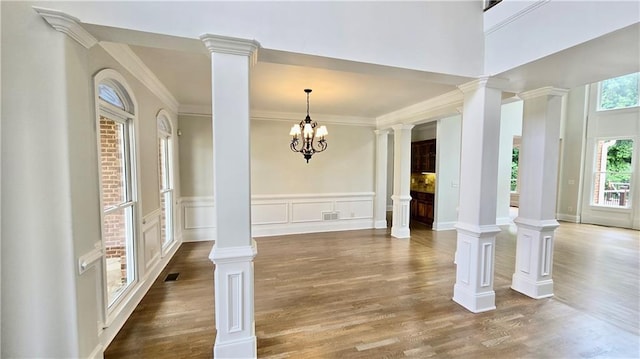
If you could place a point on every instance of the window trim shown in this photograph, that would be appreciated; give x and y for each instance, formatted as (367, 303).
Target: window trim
(129, 117)
(164, 117)
(598, 107)
(596, 170)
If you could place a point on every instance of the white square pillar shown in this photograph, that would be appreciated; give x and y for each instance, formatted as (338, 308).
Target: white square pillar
(401, 180)
(234, 250)
(476, 225)
(380, 208)
(538, 173)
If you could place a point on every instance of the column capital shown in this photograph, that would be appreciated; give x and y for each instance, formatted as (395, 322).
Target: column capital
(231, 45)
(67, 24)
(482, 82)
(543, 91)
(381, 132)
(402, 126)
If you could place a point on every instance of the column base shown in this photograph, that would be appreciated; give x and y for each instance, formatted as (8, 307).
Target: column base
(534, 257)
(400, 233)
(474, 302)
(474, 258)
(380, 224)
(400, 221)
(243, 348)
(234, 301)
(535, 290)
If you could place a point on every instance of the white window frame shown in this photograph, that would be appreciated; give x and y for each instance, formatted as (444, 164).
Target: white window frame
(599, 96)
(109, 311)
(598, 170)
(165, 133)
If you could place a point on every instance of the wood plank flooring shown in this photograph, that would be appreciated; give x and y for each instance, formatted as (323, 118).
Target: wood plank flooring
(363, 294)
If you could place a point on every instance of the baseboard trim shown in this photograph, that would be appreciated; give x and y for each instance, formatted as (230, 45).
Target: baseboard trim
(199, 235)
(268, 230)
(444, 226)
(97, 352)
(504, 221)
(568, 218)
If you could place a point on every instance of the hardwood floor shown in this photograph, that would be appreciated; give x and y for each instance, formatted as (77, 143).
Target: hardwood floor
(363, 294)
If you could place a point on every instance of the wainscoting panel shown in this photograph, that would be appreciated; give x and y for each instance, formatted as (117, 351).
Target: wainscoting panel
(269, 213)
(354, 209)
(151, 239)
(282, 214)
(198, 219)
(308, 213)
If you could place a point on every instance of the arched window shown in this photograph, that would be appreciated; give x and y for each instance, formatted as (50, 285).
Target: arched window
(115, 109)
(165, 172)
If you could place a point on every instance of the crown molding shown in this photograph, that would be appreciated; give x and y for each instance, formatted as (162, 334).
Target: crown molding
(67, 24)
(482, 82)
(516, 16)
(130, 61)
(231, 45)
(543, 91)
(324, 119)
(442, 105)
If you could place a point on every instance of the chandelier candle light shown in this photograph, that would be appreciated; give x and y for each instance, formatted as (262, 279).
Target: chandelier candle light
(312, 139)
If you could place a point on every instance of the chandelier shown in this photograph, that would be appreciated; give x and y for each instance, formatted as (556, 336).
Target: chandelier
(308, 138)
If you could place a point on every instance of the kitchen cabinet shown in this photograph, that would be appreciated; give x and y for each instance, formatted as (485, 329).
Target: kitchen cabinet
(422, 207)
(423, 156)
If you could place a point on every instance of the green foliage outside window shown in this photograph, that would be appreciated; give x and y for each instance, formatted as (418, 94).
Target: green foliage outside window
(619, 92)
(619, 162)
(515, 154)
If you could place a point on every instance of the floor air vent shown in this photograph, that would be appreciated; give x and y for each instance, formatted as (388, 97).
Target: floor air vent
(171, 277)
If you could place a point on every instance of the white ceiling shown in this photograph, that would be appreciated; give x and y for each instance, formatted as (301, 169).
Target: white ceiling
(354, 90)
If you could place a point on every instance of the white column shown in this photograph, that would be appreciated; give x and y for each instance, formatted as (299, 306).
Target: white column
(380, 208)
(476, 225)
(233, 252)
(401, 180)
(538, 173)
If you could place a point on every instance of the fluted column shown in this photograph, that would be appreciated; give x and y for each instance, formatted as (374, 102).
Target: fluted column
(401, 180)
(538, 173)
(234, 250)
(476, 225)
(380, 208)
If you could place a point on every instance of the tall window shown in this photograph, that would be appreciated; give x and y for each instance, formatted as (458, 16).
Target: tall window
(515, 156)
(118, 195)
(619, 92)
(165, 150)
(613, 169)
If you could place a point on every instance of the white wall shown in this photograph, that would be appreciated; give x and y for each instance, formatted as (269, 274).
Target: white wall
(196, 155)
(401, 34)
(572, 155)
(518, 32)
(510, 126)
(288, 194)
(346, 166)
(50, 191)
(38, 294)
(449, 131)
